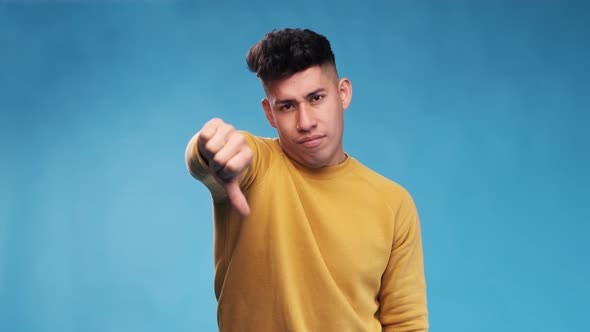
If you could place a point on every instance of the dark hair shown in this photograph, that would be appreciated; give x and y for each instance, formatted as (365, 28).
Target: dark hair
(282, 53)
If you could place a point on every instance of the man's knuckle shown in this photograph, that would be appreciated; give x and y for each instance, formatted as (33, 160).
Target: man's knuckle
(210, 147)
(218, 159)
(232, 132)
(233, 166)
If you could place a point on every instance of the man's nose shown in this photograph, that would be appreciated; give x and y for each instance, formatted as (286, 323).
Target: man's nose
(305, 118)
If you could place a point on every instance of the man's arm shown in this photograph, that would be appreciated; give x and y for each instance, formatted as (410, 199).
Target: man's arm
(402, 296)
(216, 156)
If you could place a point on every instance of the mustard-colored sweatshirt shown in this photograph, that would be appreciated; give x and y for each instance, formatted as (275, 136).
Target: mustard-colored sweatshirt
(332, 249)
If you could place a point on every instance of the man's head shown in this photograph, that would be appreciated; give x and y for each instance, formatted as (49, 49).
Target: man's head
(305, 98)
(282, 53)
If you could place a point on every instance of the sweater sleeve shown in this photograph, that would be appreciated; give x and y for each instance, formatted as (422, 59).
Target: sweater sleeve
(199, 169)
(402, 296)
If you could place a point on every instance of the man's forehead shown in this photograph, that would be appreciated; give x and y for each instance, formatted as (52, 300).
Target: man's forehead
(301, 83)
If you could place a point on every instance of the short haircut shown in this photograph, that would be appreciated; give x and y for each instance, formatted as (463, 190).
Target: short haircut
(282, 53)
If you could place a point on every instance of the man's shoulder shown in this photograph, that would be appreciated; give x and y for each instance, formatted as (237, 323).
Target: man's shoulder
(257, 142)
(380, 182)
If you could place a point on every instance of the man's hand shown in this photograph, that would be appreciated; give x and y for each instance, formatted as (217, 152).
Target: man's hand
(227, 153)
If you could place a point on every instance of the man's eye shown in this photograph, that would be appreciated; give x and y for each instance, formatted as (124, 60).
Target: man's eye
(317, 97)
(286, 107)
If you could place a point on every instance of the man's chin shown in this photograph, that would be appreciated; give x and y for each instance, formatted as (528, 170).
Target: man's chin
(314, 162)
(308, 158)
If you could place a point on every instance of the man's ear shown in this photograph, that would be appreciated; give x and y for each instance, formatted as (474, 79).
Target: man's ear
(345, 92)
(268, 113)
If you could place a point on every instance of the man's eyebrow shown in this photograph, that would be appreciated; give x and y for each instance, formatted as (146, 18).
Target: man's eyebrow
(315, 92)
(284, 101)
(291, 101)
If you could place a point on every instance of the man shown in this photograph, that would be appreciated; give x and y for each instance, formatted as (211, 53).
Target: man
(306, 237)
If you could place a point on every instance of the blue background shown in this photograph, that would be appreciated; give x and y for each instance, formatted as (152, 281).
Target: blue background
(479, 108)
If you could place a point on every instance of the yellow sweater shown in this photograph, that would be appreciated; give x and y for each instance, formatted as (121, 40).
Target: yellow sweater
(333, 249)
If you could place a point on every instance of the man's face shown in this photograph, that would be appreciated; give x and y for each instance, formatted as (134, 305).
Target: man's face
(307, 111)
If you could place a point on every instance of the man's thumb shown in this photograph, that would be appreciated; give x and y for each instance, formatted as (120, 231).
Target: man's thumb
(237, 198)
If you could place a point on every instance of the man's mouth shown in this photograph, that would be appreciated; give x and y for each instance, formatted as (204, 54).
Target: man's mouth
(311, 141)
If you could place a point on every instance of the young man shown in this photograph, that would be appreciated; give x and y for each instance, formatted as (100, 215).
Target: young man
(306, 237)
